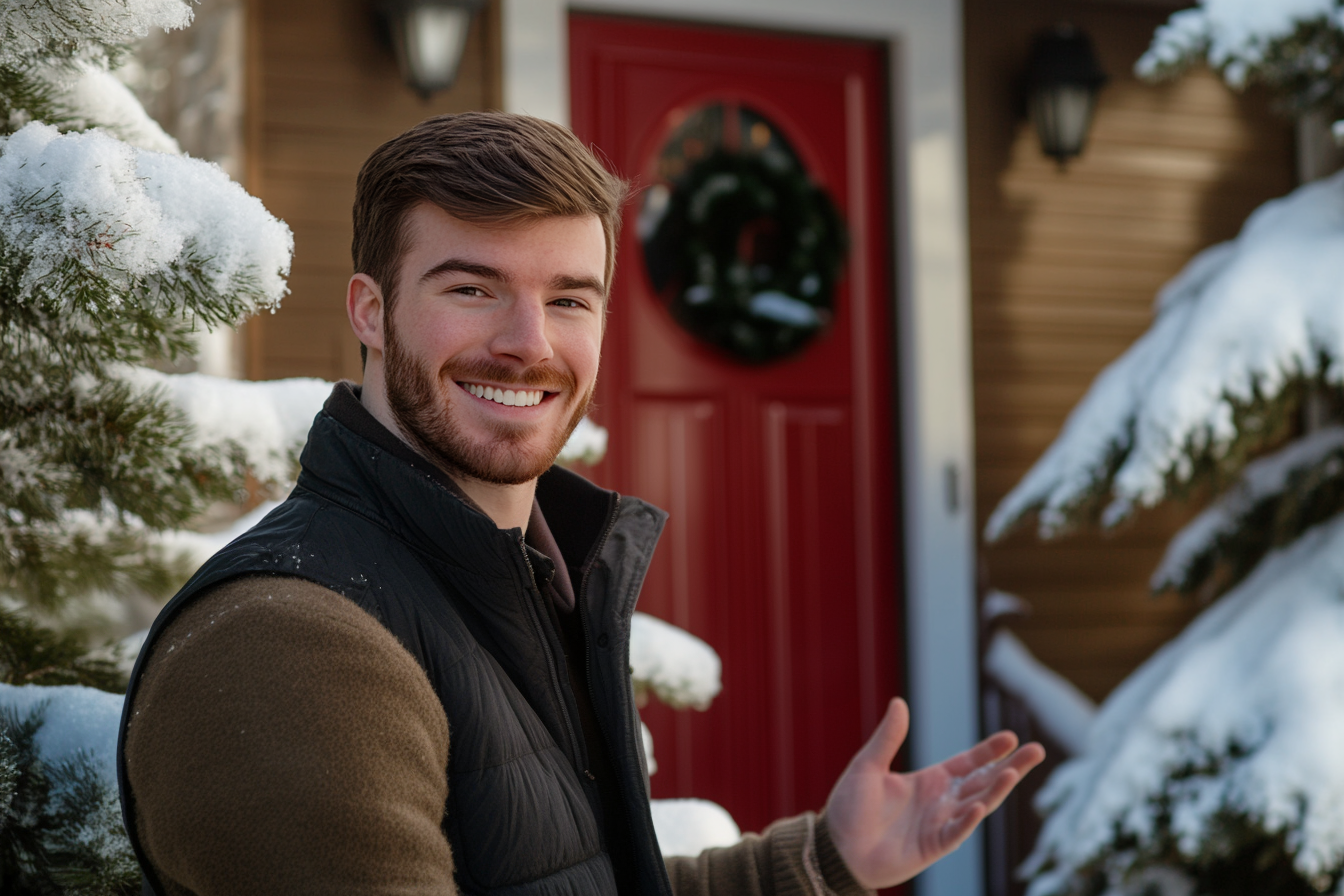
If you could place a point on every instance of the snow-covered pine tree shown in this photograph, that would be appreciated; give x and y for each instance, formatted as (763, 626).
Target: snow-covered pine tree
(114, 251)
(1215, 768)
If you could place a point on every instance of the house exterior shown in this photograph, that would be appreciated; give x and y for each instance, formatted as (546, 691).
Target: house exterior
(996, 286)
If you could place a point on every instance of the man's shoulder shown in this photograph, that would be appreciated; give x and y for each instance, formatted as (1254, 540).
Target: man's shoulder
(243, 614)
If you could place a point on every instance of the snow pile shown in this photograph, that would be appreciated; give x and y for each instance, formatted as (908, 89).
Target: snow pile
(1240, 717)
(1233, 33)
(687, 827)
(1063, 712)
(1261, 480)
(31, 28)
(268, 419)
(142, 220)
(676, 665)
(1242, 320)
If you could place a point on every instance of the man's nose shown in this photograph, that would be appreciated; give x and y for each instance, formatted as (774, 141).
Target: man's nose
(522, 333)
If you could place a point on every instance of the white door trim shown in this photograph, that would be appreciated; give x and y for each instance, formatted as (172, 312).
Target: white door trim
(933, 314)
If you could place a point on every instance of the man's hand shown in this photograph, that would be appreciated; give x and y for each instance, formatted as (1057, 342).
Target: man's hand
(888, 827)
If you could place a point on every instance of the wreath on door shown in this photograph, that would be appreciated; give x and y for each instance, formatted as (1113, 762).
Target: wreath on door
(745, 252)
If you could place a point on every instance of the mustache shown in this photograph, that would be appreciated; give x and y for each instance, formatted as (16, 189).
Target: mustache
(542, 376)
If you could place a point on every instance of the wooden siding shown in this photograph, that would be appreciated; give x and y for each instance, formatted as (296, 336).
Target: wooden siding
(323, 93)
(1064, 268)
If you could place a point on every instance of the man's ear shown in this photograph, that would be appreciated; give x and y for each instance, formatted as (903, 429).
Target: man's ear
(364, 305)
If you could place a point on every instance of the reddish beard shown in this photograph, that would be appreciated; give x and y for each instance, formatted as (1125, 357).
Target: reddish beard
(419, 402)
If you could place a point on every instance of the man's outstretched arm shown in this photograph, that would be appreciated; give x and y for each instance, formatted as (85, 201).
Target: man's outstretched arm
(889, 826)
(880, 827)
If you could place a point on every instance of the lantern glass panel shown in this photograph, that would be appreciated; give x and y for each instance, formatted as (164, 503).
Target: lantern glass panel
(430, 41)
(1062, 114)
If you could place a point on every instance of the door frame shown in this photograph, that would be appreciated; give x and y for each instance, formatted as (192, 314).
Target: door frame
(932, 313)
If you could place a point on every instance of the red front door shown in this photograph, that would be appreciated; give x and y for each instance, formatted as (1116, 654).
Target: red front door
(777, 467)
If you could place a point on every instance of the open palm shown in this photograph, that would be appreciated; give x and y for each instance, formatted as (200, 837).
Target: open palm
(890, 826)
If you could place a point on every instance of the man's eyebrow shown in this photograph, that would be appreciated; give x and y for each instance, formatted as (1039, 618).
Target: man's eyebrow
(464, 266)
(571, 283)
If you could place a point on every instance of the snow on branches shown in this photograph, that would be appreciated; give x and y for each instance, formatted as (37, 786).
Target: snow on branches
(91, 222)
(1238, 335)
(268, 421)
(1224, 744)
(31, 29)
(1296, 47)
(1276, 499)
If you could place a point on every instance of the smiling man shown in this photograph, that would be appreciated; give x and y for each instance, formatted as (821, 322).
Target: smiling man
(413, 676)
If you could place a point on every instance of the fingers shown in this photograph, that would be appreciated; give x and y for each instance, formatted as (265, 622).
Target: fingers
(991, 749)
(991, 785)
(881, 748)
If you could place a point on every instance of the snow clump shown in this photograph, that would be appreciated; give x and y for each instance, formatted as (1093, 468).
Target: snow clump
(98, 98)
(587, 443)
(138, 218)
(676, 665)
(688, 826)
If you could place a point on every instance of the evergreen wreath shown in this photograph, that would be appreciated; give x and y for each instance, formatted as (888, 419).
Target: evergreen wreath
(747, 254)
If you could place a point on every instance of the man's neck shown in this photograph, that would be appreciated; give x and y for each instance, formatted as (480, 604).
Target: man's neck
(509, 506)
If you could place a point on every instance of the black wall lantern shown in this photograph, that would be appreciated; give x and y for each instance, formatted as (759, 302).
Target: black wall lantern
(1063, 79)
(428, 37)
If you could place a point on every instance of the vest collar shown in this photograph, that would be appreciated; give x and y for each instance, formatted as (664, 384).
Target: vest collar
(353, 459)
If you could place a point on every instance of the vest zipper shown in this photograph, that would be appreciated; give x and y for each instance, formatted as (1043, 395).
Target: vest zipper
(550, 660)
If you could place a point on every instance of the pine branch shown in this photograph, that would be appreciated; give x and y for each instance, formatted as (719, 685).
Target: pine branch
(26, 96)
(1304, 69)
(62, 830)
(33, 654)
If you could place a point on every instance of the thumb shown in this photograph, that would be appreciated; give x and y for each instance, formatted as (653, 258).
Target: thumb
(887, 739)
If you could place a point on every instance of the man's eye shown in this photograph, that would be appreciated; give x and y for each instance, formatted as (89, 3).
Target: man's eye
(469, 290)
(567, 303)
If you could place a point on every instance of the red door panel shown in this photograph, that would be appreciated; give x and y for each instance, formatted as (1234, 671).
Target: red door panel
(779, 477)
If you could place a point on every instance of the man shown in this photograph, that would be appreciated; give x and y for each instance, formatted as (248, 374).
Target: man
(412, 677)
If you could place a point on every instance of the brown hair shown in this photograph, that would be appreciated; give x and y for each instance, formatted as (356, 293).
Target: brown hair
(484, 168)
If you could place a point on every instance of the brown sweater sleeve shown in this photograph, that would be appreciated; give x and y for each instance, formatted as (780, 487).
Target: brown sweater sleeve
(794, 857)
(283, 741)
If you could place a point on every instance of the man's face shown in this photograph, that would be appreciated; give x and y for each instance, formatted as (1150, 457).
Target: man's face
(492, 345)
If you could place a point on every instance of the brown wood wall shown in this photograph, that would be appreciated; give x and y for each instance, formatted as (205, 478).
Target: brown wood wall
(1064, 268)
(324, 92)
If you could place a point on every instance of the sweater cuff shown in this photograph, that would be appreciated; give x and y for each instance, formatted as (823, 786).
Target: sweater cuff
(839, 879)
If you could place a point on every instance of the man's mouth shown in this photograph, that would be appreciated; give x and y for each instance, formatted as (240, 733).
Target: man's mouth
(513, 398)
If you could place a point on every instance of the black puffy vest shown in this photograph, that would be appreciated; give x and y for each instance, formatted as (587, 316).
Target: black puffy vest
(460, 595)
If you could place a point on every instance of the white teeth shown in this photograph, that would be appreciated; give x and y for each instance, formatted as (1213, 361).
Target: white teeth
(522, 398)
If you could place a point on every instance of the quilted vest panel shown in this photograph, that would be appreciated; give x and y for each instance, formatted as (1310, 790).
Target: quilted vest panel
(458, 593)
